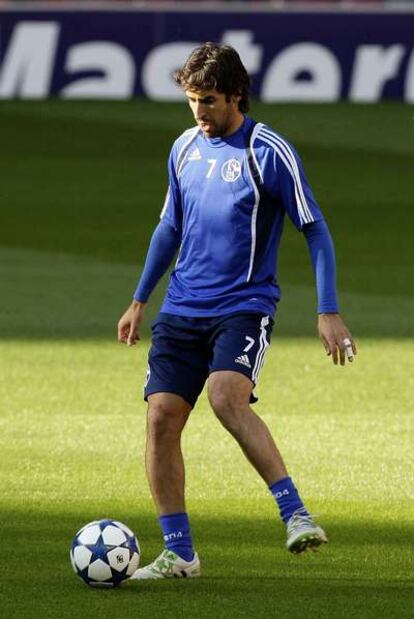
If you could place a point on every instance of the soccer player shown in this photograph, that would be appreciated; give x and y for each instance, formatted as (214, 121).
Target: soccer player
(231, 182)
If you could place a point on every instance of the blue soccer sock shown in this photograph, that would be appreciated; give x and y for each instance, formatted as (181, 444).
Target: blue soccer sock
(177, 535)
(287, 498)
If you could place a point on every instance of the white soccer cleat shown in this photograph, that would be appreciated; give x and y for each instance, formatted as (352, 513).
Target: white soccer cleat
(303, 534)
(169, 565)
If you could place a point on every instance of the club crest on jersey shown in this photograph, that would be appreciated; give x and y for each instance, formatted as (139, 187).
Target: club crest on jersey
(230, 170)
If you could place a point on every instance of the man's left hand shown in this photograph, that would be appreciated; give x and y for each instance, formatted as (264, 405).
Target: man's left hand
(336, 338)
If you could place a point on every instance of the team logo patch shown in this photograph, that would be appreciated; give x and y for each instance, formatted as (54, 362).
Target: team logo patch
(243, 360)
(230, 170)
(195, 155)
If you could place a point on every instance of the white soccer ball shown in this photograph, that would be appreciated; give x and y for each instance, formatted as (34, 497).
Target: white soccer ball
(105, 552)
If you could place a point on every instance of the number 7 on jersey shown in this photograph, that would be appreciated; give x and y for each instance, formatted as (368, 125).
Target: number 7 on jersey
(212, 163)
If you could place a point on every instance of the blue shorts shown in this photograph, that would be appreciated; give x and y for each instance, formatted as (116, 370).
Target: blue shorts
(186, 350)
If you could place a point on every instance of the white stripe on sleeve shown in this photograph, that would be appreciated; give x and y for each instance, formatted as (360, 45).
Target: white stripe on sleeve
(181, 155)
(287, 157)
(253, 223)
(165, 205)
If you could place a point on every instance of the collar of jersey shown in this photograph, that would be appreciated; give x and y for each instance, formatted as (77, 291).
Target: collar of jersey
(231, 139)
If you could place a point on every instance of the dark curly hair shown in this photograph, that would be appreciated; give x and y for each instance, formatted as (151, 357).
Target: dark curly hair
(216, 67)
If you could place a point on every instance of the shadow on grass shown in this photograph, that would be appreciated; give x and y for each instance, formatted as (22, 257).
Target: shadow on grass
(363, 572)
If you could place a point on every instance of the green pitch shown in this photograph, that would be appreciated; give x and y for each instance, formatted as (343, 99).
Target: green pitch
(81, 189)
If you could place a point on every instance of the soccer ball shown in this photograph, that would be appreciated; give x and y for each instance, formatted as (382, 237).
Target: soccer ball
(104, 552)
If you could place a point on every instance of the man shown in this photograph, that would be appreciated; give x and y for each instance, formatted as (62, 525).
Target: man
(231, 181)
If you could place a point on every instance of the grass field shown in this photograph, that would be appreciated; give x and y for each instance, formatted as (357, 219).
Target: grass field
(81, 188)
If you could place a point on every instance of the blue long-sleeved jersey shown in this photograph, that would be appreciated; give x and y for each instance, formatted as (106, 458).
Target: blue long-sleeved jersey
(225, 208)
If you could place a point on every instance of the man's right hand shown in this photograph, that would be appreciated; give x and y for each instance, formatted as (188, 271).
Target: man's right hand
(128, 326)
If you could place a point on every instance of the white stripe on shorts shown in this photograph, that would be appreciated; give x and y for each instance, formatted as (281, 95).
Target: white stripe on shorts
(264, 344)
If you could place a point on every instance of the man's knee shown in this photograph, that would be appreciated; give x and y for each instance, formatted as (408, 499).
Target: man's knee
(220, 400)
(167, 415)
(229, 401)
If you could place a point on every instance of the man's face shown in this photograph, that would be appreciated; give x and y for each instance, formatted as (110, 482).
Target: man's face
(214, 115)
